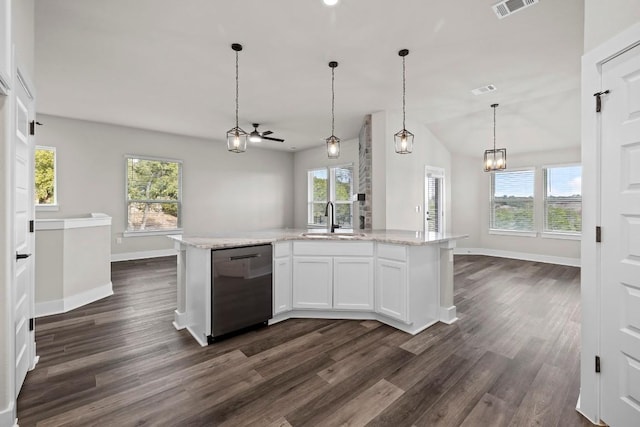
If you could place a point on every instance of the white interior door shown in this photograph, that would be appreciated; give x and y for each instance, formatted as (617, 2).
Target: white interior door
(620, 247)
(23, 292)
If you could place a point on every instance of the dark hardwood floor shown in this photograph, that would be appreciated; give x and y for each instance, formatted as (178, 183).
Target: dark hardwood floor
(511, 359)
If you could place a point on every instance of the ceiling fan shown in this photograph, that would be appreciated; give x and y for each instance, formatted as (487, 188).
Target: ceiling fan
(256, 136)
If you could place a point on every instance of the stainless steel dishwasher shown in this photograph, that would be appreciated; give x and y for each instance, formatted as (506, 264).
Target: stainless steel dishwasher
(241, 294)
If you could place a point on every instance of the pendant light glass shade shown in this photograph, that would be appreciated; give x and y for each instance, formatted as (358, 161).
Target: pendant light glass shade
(495, 159)
(333, 142)
(403, 139)
(236, 137)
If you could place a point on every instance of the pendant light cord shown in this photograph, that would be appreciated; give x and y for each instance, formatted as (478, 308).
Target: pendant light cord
(333, 102)
(236, 89)
(404, 78)
(494, 132)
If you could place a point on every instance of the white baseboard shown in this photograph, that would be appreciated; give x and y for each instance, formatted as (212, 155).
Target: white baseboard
(549, 259)
(129, 256)
(179, 320)
(448, 315)
(48, 308)
(8, 416)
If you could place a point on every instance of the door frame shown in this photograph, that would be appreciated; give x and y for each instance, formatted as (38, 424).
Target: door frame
(589, 402)
(439, 173)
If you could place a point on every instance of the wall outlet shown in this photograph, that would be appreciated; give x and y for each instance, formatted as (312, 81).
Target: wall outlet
(119, 240)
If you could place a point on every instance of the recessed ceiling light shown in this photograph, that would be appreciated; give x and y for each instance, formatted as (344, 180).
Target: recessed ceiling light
(330, 2)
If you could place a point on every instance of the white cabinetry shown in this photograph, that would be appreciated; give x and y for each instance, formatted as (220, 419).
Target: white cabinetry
(333, 275)
(281, 277)
(312, 279)
(392, 282)
(353, 283)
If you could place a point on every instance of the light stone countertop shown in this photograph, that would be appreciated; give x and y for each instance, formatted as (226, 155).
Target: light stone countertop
(237, 239)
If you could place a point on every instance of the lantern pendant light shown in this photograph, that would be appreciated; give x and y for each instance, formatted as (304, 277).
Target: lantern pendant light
(333, 142)
(236, 137)
(404, 138)
(495, 159)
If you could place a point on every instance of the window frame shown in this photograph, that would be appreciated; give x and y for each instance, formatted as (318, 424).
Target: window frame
(506, 232)
(138, 233)
(48, 207)
(331, 192)
(554, 234)
(437, 173)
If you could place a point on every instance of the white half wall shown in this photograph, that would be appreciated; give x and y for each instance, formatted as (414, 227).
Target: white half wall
(221, 191)
(472, 211)
(317, 158)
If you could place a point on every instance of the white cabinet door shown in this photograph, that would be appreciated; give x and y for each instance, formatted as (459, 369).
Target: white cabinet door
(391, 289)
(281, 285)
(353, 283)
(312, 282)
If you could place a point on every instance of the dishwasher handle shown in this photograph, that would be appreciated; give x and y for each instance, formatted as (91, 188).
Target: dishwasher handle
(235, 258)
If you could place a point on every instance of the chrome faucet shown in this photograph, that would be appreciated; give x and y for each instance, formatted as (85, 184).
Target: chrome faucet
(331, 227)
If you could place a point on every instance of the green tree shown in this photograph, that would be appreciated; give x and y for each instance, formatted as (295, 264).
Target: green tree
(44, 176)
(152, 180)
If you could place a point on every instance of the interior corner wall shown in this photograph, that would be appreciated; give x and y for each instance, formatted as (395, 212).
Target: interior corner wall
(604, 19)
(404, 174)
(316, 157)
(547, 247)
(221, 191)
(465, 203)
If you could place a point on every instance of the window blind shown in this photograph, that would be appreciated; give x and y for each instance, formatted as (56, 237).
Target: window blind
(512, 195)
(563, 199)
(434, 199)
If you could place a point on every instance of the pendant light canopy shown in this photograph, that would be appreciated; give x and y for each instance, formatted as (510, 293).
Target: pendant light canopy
(403, 139)
(236, 137)
(495, 159)
(333, 142)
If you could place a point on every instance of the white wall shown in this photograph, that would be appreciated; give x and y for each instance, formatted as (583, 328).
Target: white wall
(604, 19)
(221, 191)
(316, 158)
(478, 206)
(465, 200)
(399, 179)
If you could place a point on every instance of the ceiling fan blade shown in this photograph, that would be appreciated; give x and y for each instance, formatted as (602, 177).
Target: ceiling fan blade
(272, 139)
(266, 132)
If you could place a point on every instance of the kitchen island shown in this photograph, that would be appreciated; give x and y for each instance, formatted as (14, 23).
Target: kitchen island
(401, 278)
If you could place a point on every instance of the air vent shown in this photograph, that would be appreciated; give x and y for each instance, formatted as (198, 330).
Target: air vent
(507, 7)
(484, 89)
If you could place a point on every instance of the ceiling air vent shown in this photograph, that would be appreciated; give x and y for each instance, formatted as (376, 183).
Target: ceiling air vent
(508, 7)
(484, 89)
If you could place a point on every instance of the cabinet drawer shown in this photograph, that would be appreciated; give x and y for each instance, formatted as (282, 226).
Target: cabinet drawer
(333, 248)
(281, 249)
(395, 252)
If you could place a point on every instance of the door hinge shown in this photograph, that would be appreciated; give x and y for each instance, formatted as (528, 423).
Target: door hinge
(32, 127)
(32, 324)
(598, 364)
(31, 226)
(598, 96)
(598, 234)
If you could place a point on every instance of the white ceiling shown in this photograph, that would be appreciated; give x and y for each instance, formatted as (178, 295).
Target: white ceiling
(167, 65)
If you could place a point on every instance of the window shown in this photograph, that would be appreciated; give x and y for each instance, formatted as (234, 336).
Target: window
(434, 194)
(512, 200)
(45, 178)
(563, 199)
(153, 194)
(334, 185)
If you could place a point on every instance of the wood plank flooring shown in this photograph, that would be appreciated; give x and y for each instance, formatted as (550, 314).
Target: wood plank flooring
(511, 360)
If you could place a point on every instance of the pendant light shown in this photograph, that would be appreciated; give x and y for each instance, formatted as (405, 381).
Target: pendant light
(333, 142)
(236, 137)
(495, 159)
(404, 138)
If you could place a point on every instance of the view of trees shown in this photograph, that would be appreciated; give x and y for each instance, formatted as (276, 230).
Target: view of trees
(343, 205)
(44, 176)
(513, 213)
(153, 194)
(564, 214)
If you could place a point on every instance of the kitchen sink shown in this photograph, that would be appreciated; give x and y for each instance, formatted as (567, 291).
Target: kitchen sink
(342, 236)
